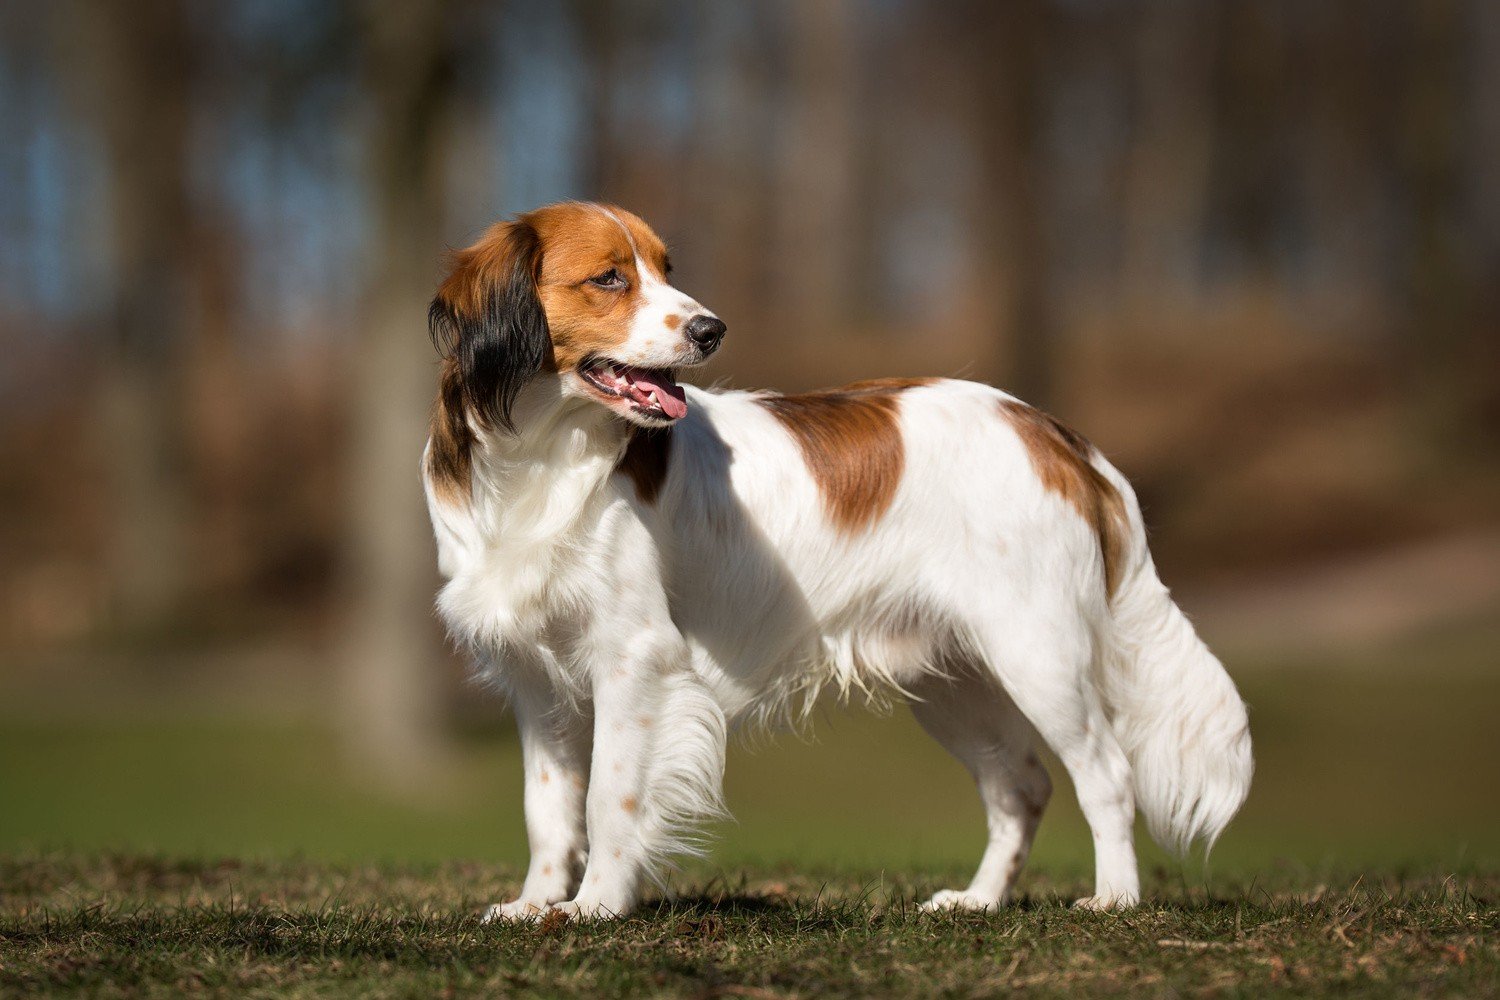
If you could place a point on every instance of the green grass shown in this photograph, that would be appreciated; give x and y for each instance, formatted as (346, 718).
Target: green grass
(1359, 768)
(136, 926)
(240, 857)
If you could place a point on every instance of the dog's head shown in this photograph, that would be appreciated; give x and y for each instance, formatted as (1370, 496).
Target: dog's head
(579, 291)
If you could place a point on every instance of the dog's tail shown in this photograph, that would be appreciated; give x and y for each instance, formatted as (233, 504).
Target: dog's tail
(1173, 707)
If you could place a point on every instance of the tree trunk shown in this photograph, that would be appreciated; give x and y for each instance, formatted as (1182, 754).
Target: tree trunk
(135, 88)
(1007, 48)
(1166, 196)
(817, 199)
(394, 678)
(1438, 288)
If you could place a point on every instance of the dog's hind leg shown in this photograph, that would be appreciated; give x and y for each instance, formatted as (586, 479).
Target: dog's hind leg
(1043, 655)
(979, 724)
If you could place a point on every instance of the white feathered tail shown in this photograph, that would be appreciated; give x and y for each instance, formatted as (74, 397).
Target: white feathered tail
(1173, 707)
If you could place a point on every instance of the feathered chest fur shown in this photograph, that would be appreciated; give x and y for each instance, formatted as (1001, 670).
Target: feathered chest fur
(528, 552)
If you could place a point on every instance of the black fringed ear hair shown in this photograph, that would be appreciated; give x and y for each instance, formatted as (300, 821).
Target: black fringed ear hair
(487, 317)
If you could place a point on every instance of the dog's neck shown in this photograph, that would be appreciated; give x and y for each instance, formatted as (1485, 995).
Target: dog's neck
(533, 484)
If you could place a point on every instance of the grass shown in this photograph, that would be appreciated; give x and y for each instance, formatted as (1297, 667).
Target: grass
(129, 925)
(1361, 767)
(157, 857)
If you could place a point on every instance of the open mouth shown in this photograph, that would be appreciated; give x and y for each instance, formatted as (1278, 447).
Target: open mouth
(650, 392)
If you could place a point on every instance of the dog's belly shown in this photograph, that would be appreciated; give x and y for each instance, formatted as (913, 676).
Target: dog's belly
(770, 668)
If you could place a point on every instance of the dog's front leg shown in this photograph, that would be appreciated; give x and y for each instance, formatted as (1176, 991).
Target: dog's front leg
(658, 768)
(555, 739)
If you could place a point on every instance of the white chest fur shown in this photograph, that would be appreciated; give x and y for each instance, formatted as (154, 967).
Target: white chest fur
(526, 556)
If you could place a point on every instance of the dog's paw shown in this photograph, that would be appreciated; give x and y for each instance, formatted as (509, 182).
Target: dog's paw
(584, 909)
(959, 899)
(1102, 904)
(516, 909)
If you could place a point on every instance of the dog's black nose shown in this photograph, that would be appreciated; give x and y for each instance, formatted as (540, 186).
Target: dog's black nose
(706, 332)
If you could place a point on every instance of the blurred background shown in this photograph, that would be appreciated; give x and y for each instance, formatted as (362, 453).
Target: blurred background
(1250, 248)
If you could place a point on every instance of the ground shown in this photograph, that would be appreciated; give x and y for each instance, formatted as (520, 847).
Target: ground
(161, 853)
(138, 926)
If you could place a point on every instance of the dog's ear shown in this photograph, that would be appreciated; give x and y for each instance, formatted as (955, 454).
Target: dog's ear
(488, 317)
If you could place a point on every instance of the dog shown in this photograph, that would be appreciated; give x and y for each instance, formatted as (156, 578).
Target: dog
(642, 566)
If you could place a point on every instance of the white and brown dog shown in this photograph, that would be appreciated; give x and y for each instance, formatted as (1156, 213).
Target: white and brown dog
(643, 565)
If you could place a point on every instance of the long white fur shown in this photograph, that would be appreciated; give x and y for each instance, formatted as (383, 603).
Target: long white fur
(631, 636)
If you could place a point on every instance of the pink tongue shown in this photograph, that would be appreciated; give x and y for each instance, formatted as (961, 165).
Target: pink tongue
(669, 395)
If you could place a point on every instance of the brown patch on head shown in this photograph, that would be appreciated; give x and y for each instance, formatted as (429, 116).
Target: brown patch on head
(851, 444)
(519, 301)
(1062, 460)
(629, 804)
(645, 460)
(671, 321)
(449, 454)
(581, 241)
(652, 251)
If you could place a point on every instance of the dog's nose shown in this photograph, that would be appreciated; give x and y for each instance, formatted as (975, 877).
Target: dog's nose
(706, 332)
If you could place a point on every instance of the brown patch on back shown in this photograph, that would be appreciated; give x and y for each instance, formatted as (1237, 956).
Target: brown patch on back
(851, 444)
(886, 384)
(645, 460)
(449, 459)
(1062, 460)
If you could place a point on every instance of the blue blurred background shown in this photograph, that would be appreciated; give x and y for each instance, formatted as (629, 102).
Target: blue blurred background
(1250, 248)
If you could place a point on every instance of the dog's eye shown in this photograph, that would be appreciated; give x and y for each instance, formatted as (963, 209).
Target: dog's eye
(611, 279)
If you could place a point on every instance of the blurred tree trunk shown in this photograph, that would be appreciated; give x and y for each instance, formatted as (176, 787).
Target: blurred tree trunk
(1351, 95)
(608, 36)
(1430, 149)
(1006, 43)
(1484, 213)
(1484, 152)
(1170, 152)
(729, 191)
(817, 190)
(1440, 288)
(1252, 118)
(394, 679)
(135, 88)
